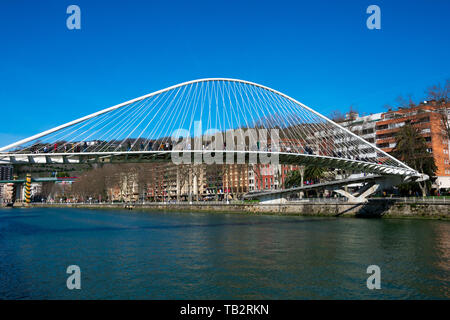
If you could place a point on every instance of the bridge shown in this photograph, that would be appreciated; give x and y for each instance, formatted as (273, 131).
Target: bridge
(51, 179)
(214, 120)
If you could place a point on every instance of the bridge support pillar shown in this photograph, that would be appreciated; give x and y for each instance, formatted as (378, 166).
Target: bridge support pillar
(28, 189)
(370, 188)
(361, 195)
(178, 183)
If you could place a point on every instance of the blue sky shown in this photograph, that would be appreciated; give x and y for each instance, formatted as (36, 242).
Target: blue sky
(319, 52)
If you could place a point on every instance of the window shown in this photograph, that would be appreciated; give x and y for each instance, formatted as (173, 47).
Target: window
(385, 135)
(368, 131)
(423, 120)
(382, 127)
(396, 125)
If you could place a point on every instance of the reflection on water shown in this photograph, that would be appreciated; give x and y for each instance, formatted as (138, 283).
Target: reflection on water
(217, 256)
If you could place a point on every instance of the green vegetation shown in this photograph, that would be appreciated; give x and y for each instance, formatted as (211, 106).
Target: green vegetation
(293, 179)
(314, 173)
(412, 149)
(310, 173)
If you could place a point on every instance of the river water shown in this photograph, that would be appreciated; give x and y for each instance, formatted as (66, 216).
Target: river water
(155, 255)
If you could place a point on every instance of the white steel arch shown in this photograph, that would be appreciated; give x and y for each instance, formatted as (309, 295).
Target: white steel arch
(311, 126)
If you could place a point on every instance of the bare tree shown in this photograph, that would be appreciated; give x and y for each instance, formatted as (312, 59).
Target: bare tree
(352, 112)
(92, 183)
(46, 189)
(337, 116)
(403, 102)
(439, 92)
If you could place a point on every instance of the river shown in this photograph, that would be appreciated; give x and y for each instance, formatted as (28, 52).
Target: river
(157, 255)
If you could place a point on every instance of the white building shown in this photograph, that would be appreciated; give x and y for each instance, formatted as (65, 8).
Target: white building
(365, 128)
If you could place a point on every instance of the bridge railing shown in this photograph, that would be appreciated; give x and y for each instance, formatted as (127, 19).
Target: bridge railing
(427, 199)
(144, 203)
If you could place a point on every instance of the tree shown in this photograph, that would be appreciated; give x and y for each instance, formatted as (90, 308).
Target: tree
(293, 179)
(439, 92)
(401, 103)
(92, 183)
(405, 103)
(62, 174)
(314, 173)
(352, 113)
(337, 116)
(411, 148)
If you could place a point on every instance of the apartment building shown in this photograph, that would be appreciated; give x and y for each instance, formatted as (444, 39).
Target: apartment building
(428, 118)
(365, 127)
(6, 172)
(268, 176)
(263, 177)
(235, 179)
(171, 182)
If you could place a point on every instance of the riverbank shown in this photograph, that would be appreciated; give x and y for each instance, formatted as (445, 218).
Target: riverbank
(385, 208)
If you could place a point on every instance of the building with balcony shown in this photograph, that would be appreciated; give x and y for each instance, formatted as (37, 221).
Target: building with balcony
(268, 176)
(365, 127)
(431, 118)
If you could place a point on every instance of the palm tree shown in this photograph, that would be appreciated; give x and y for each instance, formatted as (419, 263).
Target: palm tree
(314, 173)
(295, 178)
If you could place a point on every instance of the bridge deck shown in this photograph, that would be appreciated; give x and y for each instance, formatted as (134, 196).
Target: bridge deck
(193, 156)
